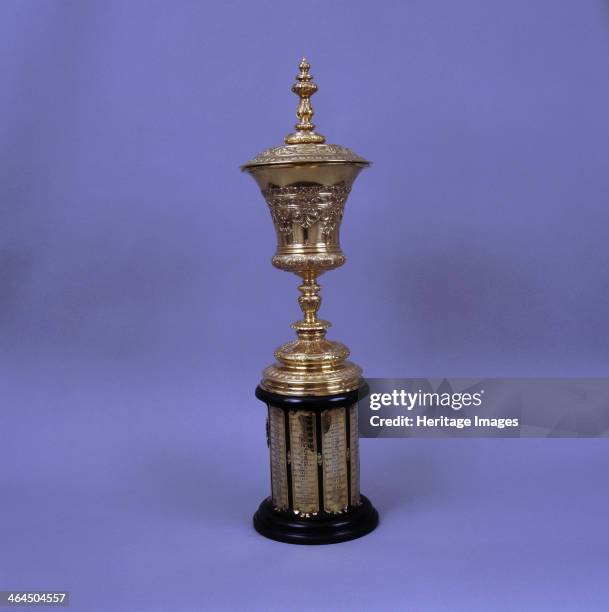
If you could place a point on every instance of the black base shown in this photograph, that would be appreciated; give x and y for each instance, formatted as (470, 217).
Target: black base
(312, 402)
(321, 529)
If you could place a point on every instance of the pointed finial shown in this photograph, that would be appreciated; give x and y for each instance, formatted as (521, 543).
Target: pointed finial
(304, 88)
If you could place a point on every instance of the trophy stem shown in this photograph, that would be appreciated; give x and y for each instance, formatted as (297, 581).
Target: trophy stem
(310, 300)
(311, 364)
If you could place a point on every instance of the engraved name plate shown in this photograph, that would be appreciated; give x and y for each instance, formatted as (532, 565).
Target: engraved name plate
(334, 445)
(279, 469)
(354, 454)
(304, 462)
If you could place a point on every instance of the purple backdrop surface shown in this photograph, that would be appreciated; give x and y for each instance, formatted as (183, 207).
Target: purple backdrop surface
(138, 304)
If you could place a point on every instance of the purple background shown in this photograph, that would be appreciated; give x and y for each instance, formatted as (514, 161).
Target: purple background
(138, 304)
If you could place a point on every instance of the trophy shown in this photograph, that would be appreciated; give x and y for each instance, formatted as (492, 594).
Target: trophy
(311, 392)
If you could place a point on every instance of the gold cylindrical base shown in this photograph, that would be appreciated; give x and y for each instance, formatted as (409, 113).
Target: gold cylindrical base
(314, 456)
(314, 460)
(314, 453)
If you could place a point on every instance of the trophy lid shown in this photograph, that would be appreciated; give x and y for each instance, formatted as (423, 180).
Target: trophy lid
(305, 145)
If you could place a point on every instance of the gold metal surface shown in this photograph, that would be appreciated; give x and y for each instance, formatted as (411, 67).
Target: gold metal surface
(320, 472)
(304, 88)
(303, 440)
(334, 445)
(295, 155)
(279, 468)
(354, 455)
(306, 184)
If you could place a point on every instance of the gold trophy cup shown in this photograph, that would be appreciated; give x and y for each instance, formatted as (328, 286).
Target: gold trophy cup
(312, 390)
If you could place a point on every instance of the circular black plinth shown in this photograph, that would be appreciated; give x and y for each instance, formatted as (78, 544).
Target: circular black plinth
(322, 529)
(313, 402)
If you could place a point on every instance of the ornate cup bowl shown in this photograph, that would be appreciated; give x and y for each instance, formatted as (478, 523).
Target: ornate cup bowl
(306, 187)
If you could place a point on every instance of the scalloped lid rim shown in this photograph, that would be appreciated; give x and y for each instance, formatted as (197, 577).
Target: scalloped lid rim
(305, 153)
